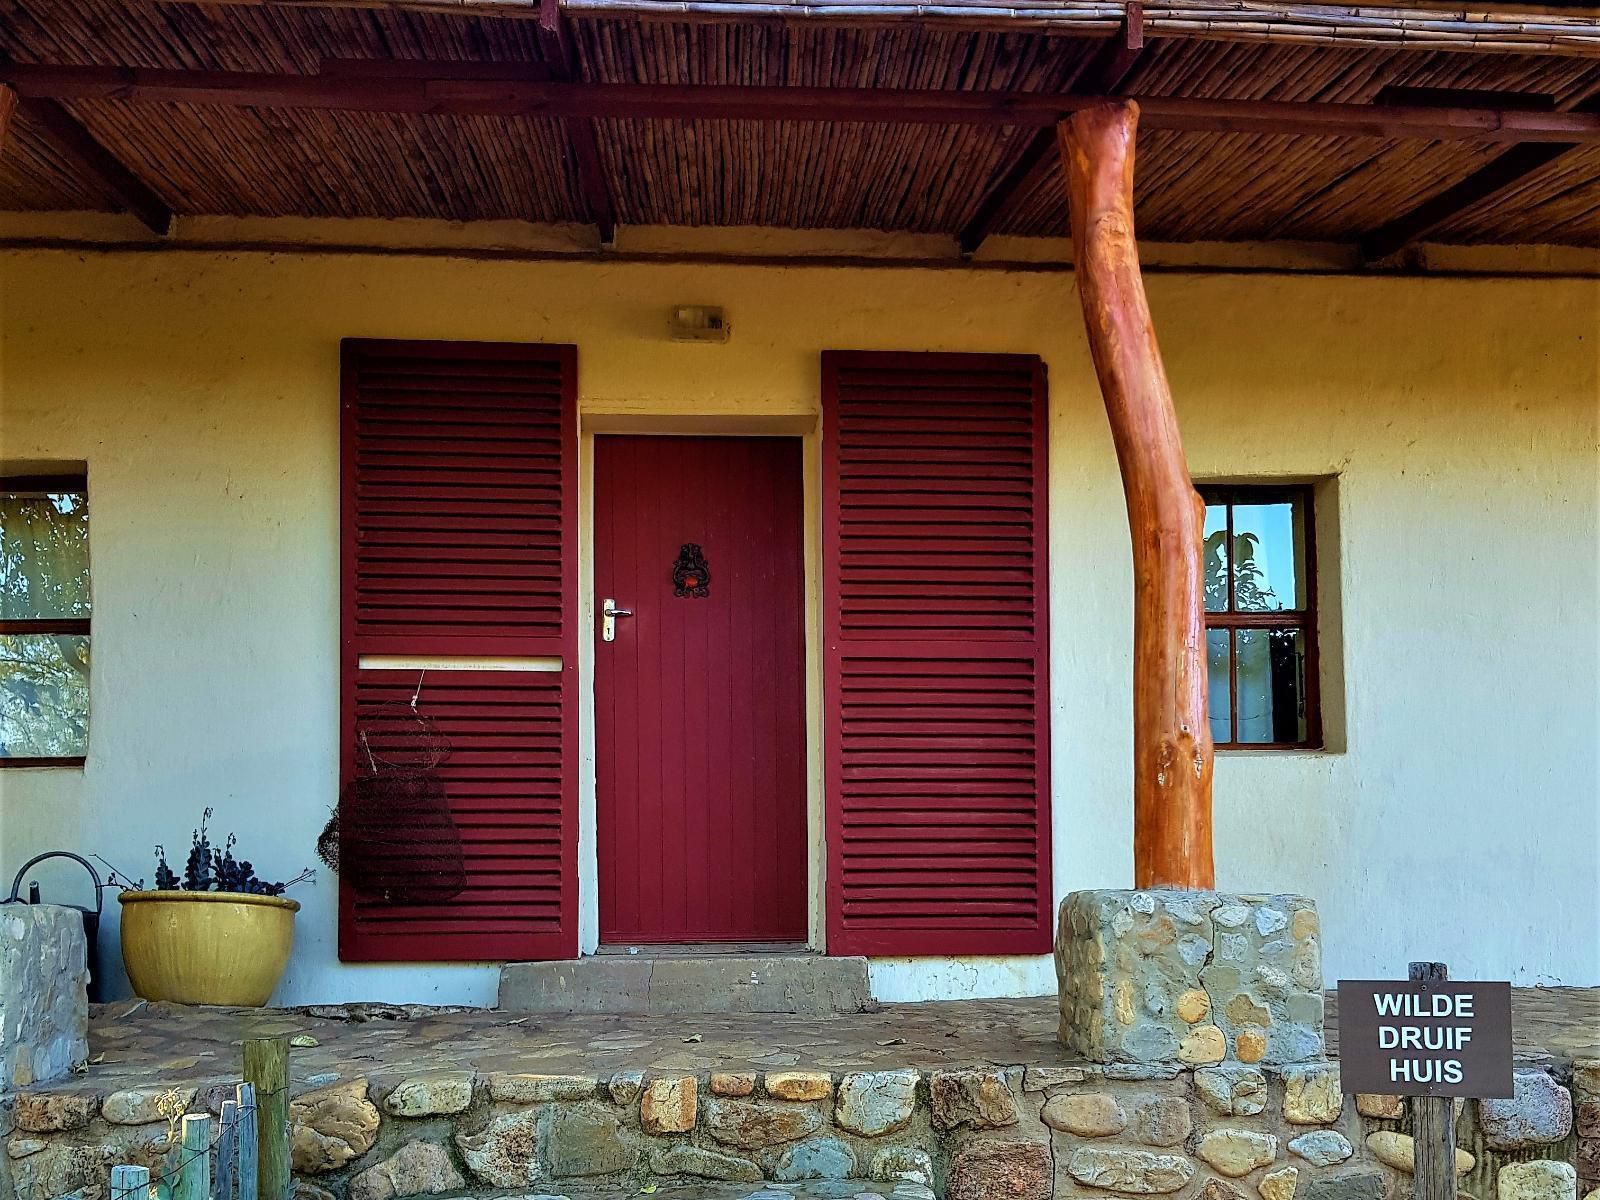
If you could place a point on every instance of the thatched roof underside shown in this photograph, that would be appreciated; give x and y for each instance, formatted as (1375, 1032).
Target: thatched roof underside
(1191, 186)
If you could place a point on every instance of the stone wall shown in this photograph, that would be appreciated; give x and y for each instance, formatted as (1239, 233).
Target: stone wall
(1158, 975)
(44, 1003)
(1225, 1132)
(1586, 1091)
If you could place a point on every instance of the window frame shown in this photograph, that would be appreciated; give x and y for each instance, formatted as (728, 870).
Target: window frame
(69, 482)
(1304, 618)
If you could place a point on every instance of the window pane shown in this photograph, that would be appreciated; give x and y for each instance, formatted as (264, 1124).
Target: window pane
(44, 695)
(1271, 685)
(1217, 685)
(1268, 556)
(1216, 564)
(44, 555)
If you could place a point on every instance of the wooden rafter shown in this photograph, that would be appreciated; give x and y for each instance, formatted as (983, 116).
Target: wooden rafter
(1103, 74)
(78, 146)
(556, 41)
(74, 143)
(1495, 178)
(1111, 67)
(1172, 750)
(456, 93)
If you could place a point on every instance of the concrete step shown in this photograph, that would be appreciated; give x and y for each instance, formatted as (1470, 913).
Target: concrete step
(673, 984)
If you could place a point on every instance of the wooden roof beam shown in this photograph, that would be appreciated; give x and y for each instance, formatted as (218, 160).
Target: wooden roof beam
(77, 146)
(555, 38)
(1104, 74)
(456, 94)
(1110, 69)
(1495, 178)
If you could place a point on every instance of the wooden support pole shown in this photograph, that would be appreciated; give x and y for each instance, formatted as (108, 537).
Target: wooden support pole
(1172, 754)
(266, 1069)
(1433, 1123)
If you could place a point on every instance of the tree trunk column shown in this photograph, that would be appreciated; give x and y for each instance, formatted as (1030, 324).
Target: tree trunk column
(1172, 752)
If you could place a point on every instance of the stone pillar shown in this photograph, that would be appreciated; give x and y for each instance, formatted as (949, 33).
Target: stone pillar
(1196, 977)
(44, 1004)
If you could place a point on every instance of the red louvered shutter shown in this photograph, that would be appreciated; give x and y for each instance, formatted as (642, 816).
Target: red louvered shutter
(936, 730)
(459, 511)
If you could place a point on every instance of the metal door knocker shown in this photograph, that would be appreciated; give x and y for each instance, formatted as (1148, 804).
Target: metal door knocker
(690, 575)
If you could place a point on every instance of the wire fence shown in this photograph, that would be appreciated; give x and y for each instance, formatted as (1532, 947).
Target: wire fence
(214, 1158)
(241, 1154)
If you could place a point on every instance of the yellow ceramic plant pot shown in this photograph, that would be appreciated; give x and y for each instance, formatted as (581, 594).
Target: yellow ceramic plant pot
(206, 947)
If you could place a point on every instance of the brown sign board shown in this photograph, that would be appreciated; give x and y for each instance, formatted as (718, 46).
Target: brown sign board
(1425, 1038)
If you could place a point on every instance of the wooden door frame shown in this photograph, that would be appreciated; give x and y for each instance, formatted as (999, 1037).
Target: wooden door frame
(804, 426)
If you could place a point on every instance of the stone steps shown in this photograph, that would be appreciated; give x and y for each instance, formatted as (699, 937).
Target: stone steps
(678, 984)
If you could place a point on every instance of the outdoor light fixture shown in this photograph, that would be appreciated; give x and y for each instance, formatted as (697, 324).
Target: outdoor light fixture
(698, 323)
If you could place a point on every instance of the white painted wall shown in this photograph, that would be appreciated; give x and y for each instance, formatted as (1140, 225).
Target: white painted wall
(1457, 817)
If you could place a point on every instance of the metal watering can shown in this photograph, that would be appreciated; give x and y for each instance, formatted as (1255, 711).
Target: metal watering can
(91, 916)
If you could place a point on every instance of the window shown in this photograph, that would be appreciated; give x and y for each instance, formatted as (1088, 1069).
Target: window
(44, 621)
(1261, 618)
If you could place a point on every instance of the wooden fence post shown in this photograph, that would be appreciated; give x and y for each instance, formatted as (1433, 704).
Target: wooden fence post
(1433, 1125)
(246, 1175)
(266, 1068)
(227, 1149)
(194, 1159)
(130, 1183)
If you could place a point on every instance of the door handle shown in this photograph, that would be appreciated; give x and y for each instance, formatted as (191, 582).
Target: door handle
(609, 612)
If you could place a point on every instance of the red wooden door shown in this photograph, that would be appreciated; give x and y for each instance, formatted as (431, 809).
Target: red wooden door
(700, 699)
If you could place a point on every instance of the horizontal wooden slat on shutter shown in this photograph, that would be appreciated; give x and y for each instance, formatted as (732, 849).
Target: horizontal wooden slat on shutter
(936, 731)
(459, 509)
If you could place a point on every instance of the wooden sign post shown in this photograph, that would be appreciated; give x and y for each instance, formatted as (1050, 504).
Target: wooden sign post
(1433, 1040)
(1433, 1122)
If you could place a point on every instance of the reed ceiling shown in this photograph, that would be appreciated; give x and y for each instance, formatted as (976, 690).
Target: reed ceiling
(1190, 186)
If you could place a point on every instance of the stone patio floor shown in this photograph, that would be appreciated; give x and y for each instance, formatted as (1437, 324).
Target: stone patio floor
(135, 1043)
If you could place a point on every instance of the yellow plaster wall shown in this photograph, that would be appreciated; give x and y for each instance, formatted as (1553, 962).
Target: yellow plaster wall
(1458, 822)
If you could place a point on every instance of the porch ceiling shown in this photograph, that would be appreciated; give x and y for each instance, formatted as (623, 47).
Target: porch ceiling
(241, 161)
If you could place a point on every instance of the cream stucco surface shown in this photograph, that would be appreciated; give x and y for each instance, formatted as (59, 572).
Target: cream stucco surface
(1456, 818)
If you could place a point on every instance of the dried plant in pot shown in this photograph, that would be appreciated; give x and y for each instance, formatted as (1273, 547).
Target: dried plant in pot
(215, 935)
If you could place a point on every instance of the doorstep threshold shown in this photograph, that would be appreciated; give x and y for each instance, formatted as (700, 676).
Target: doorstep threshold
(705, 949)
(656, 984)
